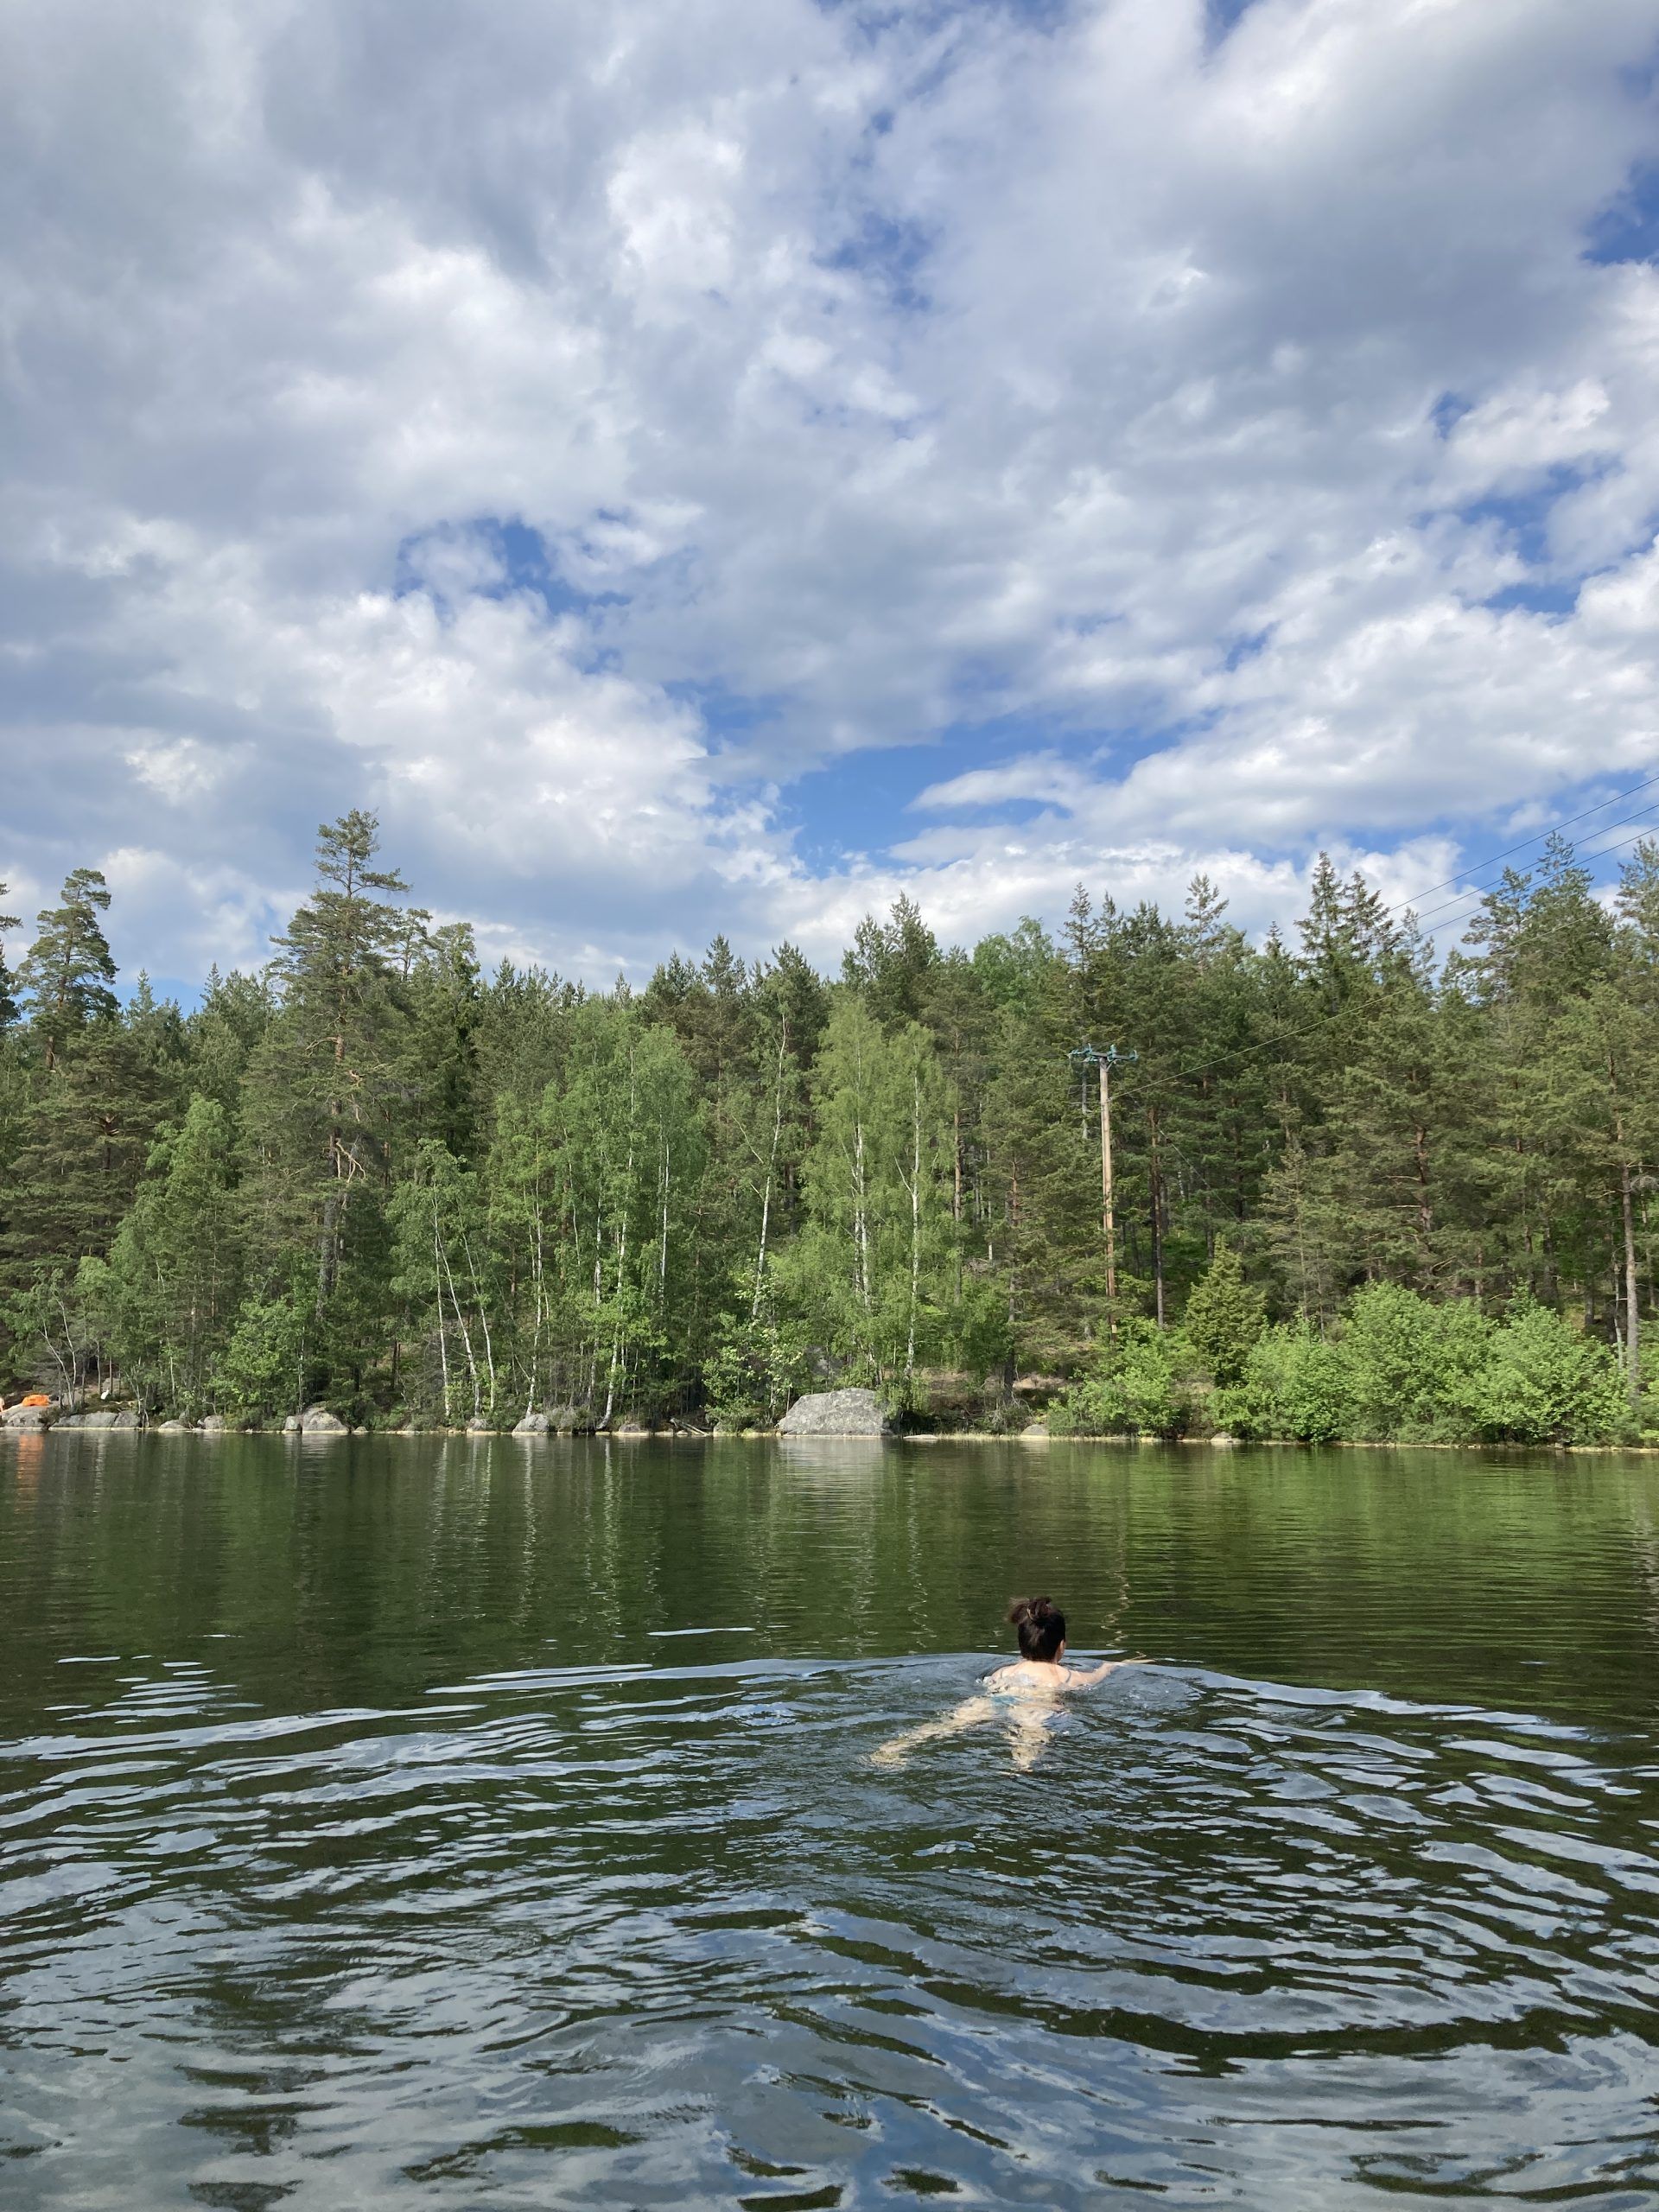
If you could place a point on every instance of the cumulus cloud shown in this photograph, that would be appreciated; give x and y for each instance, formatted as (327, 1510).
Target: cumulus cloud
(566, 430)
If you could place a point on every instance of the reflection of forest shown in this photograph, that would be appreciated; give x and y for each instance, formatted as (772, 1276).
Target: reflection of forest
(366, 1574)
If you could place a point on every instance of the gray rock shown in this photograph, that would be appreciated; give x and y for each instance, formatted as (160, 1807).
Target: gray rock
(26, 1416)
(317, 1421)
(214, 1424)
(479, 1425)
(291, 1427)
(361, 1430)
(127, 1419)
(631, 1425)
(531, 1424)
(836, 1413)
(172, 1428)
(571, 1420)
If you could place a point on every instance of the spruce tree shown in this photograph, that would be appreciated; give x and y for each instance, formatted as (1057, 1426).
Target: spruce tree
(166, 1300)
(1224, 1317)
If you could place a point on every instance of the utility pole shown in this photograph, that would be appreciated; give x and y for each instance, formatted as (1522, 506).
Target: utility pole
(1087, 1057)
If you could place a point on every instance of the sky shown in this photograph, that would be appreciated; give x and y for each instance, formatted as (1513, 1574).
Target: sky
(713, 466)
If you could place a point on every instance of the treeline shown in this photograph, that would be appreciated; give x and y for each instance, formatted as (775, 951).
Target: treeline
(371, 1176)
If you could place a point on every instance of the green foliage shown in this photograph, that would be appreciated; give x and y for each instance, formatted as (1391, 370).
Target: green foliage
(51, 1344)
(983, 1332)
(165, 1301)
(754, 1371)
(1543, 1384)
(265, 1370)
(1413, 1370)
(1224, 1317)
(1147, 1384)
(68, 972)
(872, 1271)
(1295, 1385)
(9, 1006)
(372, 1174)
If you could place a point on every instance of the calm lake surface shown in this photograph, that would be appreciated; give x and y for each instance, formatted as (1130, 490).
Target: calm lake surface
(395, 1823)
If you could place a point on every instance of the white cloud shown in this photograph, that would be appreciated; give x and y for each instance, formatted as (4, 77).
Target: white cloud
(1164, 408)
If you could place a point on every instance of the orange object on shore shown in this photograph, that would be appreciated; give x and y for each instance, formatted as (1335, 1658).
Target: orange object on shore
(36, 1398)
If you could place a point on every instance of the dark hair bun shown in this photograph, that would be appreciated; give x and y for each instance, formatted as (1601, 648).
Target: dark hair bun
(1040, 1624)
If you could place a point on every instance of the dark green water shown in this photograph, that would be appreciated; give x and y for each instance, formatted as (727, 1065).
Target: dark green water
(391, 1824)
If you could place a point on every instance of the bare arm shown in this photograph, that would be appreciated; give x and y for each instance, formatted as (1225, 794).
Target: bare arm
(1079, 1678)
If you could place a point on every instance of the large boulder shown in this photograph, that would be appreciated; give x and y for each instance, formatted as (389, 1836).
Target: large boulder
(531, 1424)
(213, 1424)
(836, 1413)
(317, 1421)
(173, 1428)
(26, 1417)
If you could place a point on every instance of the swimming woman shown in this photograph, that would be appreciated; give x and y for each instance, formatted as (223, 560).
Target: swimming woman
(1025, 1696)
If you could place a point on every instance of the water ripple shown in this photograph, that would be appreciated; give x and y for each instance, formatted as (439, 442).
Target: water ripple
(654, 1931)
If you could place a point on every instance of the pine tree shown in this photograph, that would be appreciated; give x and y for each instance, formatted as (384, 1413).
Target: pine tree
(68, 973)
(324, 1092)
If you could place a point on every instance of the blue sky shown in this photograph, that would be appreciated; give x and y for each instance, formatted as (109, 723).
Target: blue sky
(717, 467)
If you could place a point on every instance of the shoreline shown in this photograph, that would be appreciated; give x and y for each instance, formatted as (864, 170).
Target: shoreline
(1038, 1436)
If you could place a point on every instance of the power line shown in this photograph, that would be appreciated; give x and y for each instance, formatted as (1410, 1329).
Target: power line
(1469, 911)
(1638, 815)
(1290, 1036)
(1537, 838)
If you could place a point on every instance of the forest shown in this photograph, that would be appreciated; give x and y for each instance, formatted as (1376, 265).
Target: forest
(1362, 1186)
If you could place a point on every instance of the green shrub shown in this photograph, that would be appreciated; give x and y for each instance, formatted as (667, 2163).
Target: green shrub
(263, 1370)
(1295, 1385)
(999, 1415)
(1147, 1383)
(752, 1374)
(984, 1337)
(1543, 1384)
(905, 1401)
(1413, 1369)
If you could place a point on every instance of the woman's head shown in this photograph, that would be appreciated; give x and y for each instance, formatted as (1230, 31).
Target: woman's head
(1042, 1627)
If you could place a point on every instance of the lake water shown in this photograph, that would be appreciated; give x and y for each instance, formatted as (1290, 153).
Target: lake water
(454, 1824)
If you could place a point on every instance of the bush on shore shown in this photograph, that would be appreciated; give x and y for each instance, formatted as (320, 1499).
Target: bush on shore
(1398, 1368)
